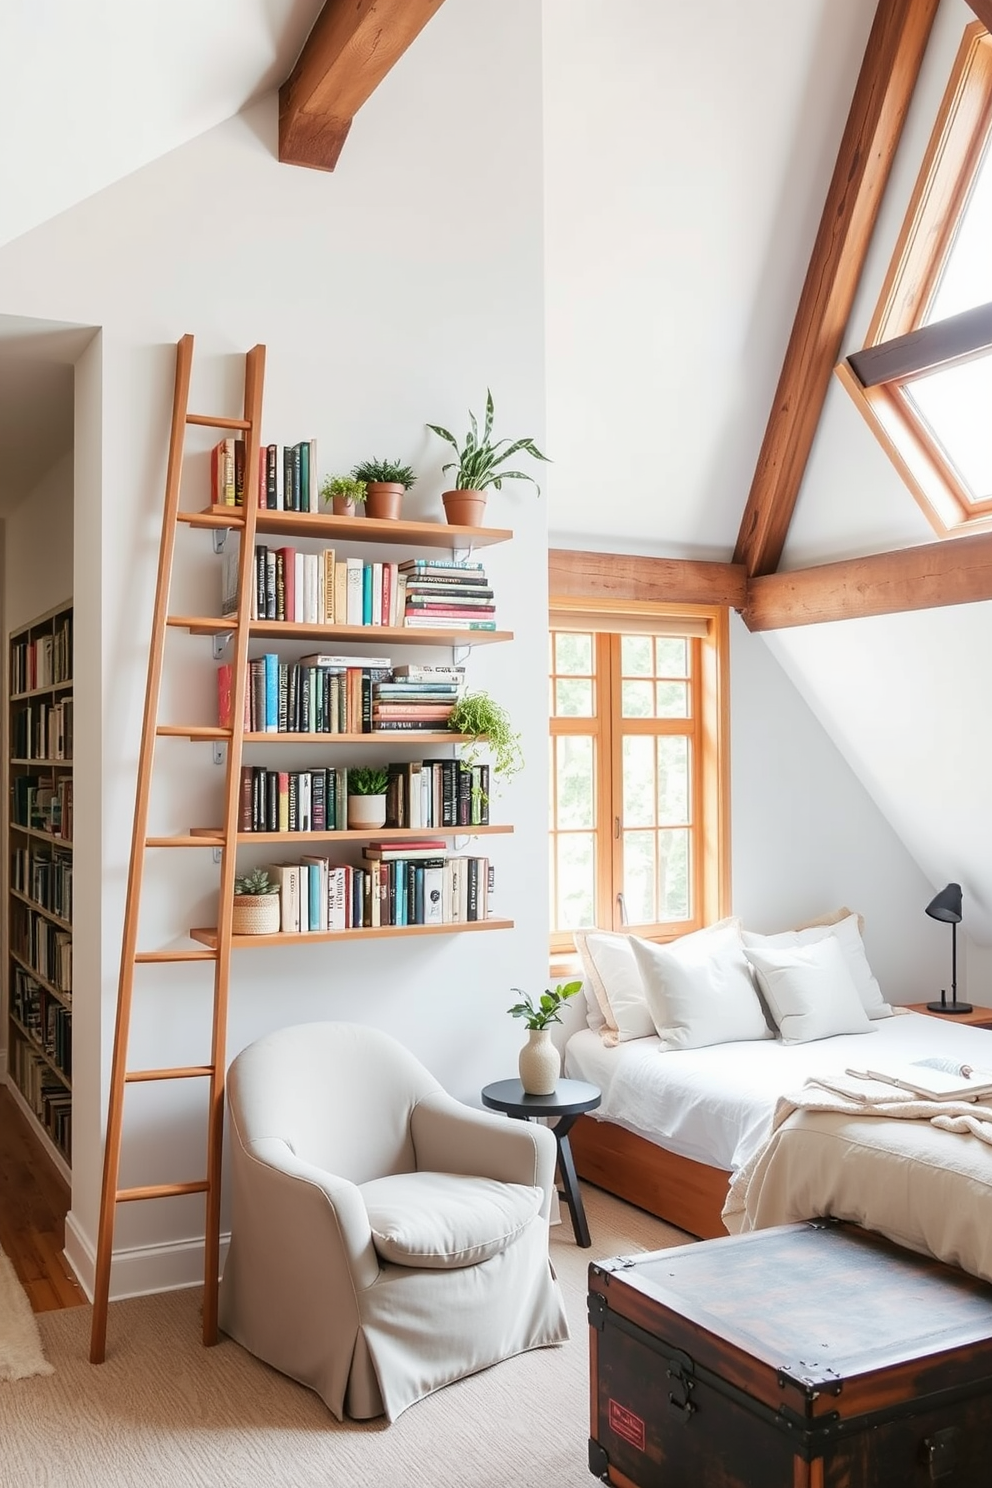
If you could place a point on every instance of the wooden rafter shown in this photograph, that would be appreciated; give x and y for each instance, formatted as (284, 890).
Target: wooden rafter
(885, 86)
(983, 10)
(618, 577)
(920, 578)
(347, 54)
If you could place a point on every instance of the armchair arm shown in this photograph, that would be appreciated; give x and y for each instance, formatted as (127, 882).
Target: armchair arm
(450, 1137)
(332, 1203)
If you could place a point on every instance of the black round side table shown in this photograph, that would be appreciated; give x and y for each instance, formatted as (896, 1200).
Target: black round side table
(569, 1099)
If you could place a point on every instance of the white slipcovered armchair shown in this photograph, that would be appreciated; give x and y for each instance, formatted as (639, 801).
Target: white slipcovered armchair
(385, 1238)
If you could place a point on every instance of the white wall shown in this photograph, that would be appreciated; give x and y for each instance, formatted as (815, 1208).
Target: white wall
(376, 319)
(808, 837)
(38, 574)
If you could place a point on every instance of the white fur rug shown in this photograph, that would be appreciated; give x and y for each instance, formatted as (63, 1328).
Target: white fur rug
(21, 1354)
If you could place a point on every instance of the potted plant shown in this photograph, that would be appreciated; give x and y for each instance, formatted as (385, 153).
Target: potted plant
(386, 482)
(484, 720)
(480, 465)
(367, 797)
(343, 493)
(256, 904)
(539, 1062)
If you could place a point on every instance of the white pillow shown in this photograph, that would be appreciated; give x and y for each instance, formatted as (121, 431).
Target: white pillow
(847, 933)
(699, 989)
(810, 990)
(609, 968)
(445, 1220)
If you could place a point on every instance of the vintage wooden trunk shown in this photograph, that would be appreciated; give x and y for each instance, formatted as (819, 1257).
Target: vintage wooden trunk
(808, 1356)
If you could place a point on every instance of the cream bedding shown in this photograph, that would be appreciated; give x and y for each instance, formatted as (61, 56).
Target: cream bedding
(919, 1172)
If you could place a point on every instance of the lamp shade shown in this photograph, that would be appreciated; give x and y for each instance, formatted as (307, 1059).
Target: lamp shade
(946, 905)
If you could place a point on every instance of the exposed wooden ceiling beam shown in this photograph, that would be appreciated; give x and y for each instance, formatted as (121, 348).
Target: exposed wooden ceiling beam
(921, 578)
(983, 10)
(885, 86)
(347, 54)
(618, 577)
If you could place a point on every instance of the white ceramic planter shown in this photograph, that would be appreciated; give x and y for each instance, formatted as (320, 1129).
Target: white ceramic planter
(366, 811)
(539, 1063)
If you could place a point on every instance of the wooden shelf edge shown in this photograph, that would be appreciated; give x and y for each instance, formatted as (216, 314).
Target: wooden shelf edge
(39, 836)
(65, 998)
(214, 836)
(293, 630)
(40, 1050)
(208, 936)
(436, 534)
(48, 914)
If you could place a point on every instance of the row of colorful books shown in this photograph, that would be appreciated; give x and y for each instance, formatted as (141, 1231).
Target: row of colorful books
(318, 894)
(42, 731)
(334, 693)
(284, 483)
(50, 1100)
(419, 794)
(45, 661)
(318, 588)
(46, 949)
(44, 1018)
(44, 875)
(43, 803)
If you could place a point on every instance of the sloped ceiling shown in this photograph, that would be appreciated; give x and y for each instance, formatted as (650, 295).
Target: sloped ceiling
(99, 90)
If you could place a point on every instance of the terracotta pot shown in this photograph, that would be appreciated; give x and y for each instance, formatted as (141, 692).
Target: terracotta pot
(342, 506)
(464, 508)
(539, 1063)
(366, 811)
(384, 499)
(256, 914)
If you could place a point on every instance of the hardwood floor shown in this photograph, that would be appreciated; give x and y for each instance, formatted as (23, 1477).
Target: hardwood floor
(33, 1204)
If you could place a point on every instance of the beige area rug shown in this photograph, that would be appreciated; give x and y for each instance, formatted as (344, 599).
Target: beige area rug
(165, 1411)
(20, 1346)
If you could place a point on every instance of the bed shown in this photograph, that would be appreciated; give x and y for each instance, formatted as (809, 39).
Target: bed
(674, 1127)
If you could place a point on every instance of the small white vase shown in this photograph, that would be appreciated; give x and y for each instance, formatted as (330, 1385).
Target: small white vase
(539, 1063)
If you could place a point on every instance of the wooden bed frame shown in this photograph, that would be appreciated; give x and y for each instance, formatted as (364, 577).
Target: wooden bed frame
(682, 1192)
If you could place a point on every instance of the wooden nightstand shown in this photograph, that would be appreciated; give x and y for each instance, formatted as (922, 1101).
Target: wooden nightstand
(979, 1017)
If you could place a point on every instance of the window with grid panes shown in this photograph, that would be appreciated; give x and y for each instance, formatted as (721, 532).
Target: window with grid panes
(637, 828)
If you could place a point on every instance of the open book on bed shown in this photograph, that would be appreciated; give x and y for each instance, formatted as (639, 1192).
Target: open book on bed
(934, 1079)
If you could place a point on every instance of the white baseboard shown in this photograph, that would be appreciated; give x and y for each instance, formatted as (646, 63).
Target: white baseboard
(141, 1269)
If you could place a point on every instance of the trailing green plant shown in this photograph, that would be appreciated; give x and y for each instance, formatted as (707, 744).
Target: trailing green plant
(256, 882)
(548, 1008)
(480, 459)
(343, 485)
(483, 719)
(390, 472)
(366, 780)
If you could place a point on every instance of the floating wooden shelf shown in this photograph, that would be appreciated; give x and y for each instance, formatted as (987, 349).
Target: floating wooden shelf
(208, 937)
(214, 837)
(211, 732)
(353, 529)
(332, 635)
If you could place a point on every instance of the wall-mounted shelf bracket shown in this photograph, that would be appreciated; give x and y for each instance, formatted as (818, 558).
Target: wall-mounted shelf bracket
(218, 536)
(462, 555)
(220, 643)
(218, 753)
(216, 853)
(460, 654)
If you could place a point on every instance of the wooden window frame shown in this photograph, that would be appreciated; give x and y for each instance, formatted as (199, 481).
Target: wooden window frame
(899, 346)
(707, 627)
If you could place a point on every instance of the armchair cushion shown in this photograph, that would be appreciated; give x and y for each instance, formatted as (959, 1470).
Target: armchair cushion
(444, 1220)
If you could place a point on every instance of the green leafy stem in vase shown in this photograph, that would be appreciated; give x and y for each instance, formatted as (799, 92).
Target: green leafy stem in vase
(255, 883)
(548, 1008)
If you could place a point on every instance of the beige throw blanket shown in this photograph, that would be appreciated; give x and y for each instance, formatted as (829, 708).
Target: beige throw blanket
(919, 1176)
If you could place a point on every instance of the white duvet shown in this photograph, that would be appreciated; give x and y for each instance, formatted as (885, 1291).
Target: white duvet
(716, 1105)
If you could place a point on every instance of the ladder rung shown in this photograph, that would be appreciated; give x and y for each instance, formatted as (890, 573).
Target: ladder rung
(160, 1191)
(211, 421)
(181, 1072)
(165, 956)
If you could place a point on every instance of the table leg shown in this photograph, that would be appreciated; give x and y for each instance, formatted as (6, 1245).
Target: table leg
(570, 1190)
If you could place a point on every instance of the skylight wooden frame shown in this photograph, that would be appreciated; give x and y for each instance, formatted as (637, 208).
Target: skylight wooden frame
(898, 347)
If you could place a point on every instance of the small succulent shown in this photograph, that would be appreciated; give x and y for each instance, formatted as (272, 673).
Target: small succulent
(256, 882)
(548, 1009)
(388, 472)
(342, 485)
(367, 781)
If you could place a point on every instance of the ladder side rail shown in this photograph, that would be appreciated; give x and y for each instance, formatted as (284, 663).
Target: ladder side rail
(254, 379)
(112, 1147)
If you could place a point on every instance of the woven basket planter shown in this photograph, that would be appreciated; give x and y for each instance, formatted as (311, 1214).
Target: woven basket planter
(256, 914)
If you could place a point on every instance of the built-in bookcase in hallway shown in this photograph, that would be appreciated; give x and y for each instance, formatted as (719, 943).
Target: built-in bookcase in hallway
(39, 883)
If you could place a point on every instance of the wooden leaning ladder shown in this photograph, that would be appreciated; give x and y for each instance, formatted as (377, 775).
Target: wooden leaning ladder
(242, 519)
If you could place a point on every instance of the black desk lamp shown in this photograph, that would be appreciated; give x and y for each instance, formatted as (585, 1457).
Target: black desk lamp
(947, 907)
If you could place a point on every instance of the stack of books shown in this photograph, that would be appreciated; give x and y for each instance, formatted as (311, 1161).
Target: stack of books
(415, 697)
(445, 594)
